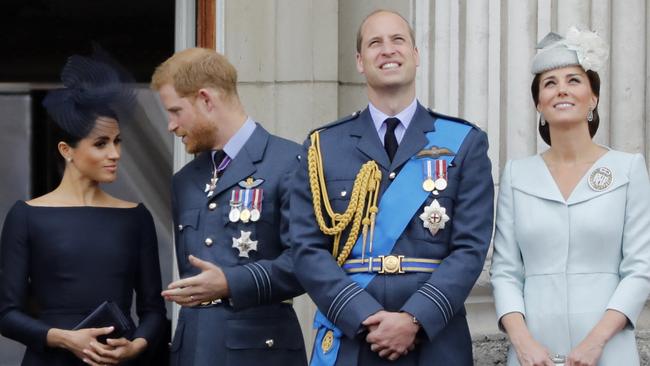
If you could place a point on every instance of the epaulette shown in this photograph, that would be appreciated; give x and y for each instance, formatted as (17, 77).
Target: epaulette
(435, 114)
(349, 117)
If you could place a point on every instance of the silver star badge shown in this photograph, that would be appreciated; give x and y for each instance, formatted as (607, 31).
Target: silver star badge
(244, 243)
(434, 217)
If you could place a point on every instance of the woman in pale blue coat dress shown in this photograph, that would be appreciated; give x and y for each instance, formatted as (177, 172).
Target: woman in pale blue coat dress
(571, 260)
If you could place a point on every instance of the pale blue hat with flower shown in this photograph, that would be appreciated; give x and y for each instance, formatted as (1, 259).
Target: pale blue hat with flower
(579, 48)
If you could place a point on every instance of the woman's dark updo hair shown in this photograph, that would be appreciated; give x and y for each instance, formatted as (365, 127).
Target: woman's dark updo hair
(72, 140)
(594, 82)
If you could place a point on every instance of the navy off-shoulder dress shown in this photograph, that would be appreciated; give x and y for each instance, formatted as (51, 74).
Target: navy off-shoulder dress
(57, 264)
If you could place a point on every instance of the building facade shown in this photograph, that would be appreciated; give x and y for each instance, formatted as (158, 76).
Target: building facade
(296, 62)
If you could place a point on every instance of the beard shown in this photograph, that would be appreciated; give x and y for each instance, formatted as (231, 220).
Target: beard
(201, 138)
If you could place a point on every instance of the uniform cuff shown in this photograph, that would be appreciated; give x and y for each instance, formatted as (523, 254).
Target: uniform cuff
(350, 308)
(431, 308)
(249, 285)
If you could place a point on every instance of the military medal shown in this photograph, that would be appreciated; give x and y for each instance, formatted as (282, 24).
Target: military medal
(434, 217)
(245, 214)
(235, 204)
(255, 215)
(428, 185)
(234, 215)
(252, 199)
(427, 169)
(441, 184)
(600, 179)
(244, 243)
(256, 209)
(209, 188)
(441, 174)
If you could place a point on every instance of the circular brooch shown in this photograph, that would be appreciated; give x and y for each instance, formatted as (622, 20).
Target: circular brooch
(600, 179)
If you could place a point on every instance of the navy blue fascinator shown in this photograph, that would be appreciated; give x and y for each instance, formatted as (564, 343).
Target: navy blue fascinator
(92, 87)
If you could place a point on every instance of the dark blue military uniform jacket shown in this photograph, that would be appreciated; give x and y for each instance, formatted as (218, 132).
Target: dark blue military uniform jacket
(254, 326)
(435, 299)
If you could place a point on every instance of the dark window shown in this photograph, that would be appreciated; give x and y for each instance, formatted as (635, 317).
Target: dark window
(37, 36)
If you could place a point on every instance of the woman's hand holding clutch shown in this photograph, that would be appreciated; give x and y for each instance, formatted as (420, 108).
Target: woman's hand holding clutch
(76, 341)
(114, 352)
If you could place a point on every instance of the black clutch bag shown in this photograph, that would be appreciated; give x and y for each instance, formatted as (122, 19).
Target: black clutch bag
(108, 314)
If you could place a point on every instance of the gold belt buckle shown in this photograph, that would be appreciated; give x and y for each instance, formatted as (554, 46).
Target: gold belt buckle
(391, 264)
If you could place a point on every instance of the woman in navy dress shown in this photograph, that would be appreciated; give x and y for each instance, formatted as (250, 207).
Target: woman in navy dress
(64, 253)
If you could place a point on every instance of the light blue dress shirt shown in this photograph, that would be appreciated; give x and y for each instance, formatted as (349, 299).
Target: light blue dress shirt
(405, 117)
(236, 142)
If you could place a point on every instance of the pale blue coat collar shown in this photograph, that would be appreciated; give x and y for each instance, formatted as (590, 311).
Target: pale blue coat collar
(533, 177)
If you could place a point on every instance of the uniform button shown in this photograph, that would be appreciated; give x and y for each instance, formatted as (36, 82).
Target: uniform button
(269, 343)
(212, 206)
(391, 176)
(208, 242)
(344, 193)
(180, 227)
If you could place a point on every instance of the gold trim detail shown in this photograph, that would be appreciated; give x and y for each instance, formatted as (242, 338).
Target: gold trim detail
(327, 342)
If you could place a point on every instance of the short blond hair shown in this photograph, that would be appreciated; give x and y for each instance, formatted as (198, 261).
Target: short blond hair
(194, 68)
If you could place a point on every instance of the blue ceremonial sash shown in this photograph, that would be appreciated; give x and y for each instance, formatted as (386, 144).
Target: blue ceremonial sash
(398, 204)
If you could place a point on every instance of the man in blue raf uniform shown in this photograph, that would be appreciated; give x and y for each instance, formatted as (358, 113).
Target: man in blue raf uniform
(230, 209)
(391, 217)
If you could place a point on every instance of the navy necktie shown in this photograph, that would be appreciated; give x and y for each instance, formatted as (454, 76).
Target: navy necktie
(390, 141)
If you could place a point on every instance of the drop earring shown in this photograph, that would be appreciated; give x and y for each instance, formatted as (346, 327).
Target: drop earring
(590, 115)
(542, 121)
